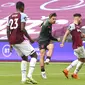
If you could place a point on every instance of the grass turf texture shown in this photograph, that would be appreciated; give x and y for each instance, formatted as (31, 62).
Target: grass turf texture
(10, 74)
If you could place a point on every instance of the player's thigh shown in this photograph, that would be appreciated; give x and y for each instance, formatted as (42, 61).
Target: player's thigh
(80, 52)
(42, 53)
(42, 45)
(26, 48)
(50, 46)
(18, 50)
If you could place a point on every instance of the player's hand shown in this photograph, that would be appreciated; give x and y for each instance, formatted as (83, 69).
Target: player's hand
(61, 45)
(11, 48)
(31, 41)
(58, 39)
(35, 40)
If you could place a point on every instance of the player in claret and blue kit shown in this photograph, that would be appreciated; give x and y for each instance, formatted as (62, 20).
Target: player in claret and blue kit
(15, 33)
(75, 30)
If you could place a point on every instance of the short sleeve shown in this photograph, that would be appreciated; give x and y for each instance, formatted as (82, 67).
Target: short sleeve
(71, 27)
(23, 17)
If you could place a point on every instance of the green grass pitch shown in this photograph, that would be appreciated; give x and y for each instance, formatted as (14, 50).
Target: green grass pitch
(10, 74)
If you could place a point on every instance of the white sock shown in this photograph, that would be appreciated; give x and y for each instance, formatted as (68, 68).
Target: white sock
(43, 72)
(74, 63)
(78, 67)
(31, 67)
(23, 69)
(47, 60)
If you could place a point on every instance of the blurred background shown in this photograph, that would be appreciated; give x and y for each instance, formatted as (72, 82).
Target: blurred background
(38, 11)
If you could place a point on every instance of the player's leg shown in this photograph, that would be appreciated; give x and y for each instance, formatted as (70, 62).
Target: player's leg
(32, 67)
(65, 71)
(78, 67)
(24, 68)
(74, 63)
(50, 48)
(42, 55)
(81, 57)
(27, 50)
(23, 63)
(42, 46)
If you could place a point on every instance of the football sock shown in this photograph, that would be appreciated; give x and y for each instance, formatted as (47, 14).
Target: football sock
(23, 70)
(78, 67)
(48, 58)
(42, 69)
(74, 63)
(31, 67)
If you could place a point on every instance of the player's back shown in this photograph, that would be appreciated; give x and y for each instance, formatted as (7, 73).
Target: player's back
(16, 35)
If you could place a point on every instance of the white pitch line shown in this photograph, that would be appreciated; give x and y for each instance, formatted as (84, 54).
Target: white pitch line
(37, 62)
(39, 74)
(51, 63)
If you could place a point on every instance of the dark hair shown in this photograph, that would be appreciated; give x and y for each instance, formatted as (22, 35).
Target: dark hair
(19, 5)
(77, 15)
(52, 14)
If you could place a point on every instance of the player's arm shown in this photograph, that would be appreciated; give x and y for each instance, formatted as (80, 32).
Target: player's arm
(23, 24)
(64, 38)
(8, 32)
(54, 39)
(82, 35)
(25, 32)
(8, 35)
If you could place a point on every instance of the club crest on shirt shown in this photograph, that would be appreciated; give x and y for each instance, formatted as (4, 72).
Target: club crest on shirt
(42, 46)
(49, 27)
(78, 30)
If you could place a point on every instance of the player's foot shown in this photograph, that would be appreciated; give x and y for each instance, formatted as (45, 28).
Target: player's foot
(43, 74)
(47, 61)
(75, 76)
(26, 82)
(31, 80)
(65, 73)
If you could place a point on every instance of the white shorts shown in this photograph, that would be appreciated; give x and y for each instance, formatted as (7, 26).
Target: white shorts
(24, 48)
(80, 52)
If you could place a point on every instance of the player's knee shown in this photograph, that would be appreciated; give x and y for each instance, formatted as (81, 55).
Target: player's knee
(25, 58)
(34, 55)
(51, 47)
(42, 54)
(41, 58)
(42, 51)
(82, 59)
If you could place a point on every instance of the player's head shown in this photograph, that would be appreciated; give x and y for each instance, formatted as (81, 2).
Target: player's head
(20, 6)
(52, 18)
(77, 17)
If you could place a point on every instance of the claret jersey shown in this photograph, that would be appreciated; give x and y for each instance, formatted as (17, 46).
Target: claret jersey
(14, 23)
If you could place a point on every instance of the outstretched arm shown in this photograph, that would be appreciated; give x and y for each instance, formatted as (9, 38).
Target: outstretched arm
(55, 39)
(64, 38)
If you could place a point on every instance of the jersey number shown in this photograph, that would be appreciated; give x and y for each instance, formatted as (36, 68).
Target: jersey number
(13, 22)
